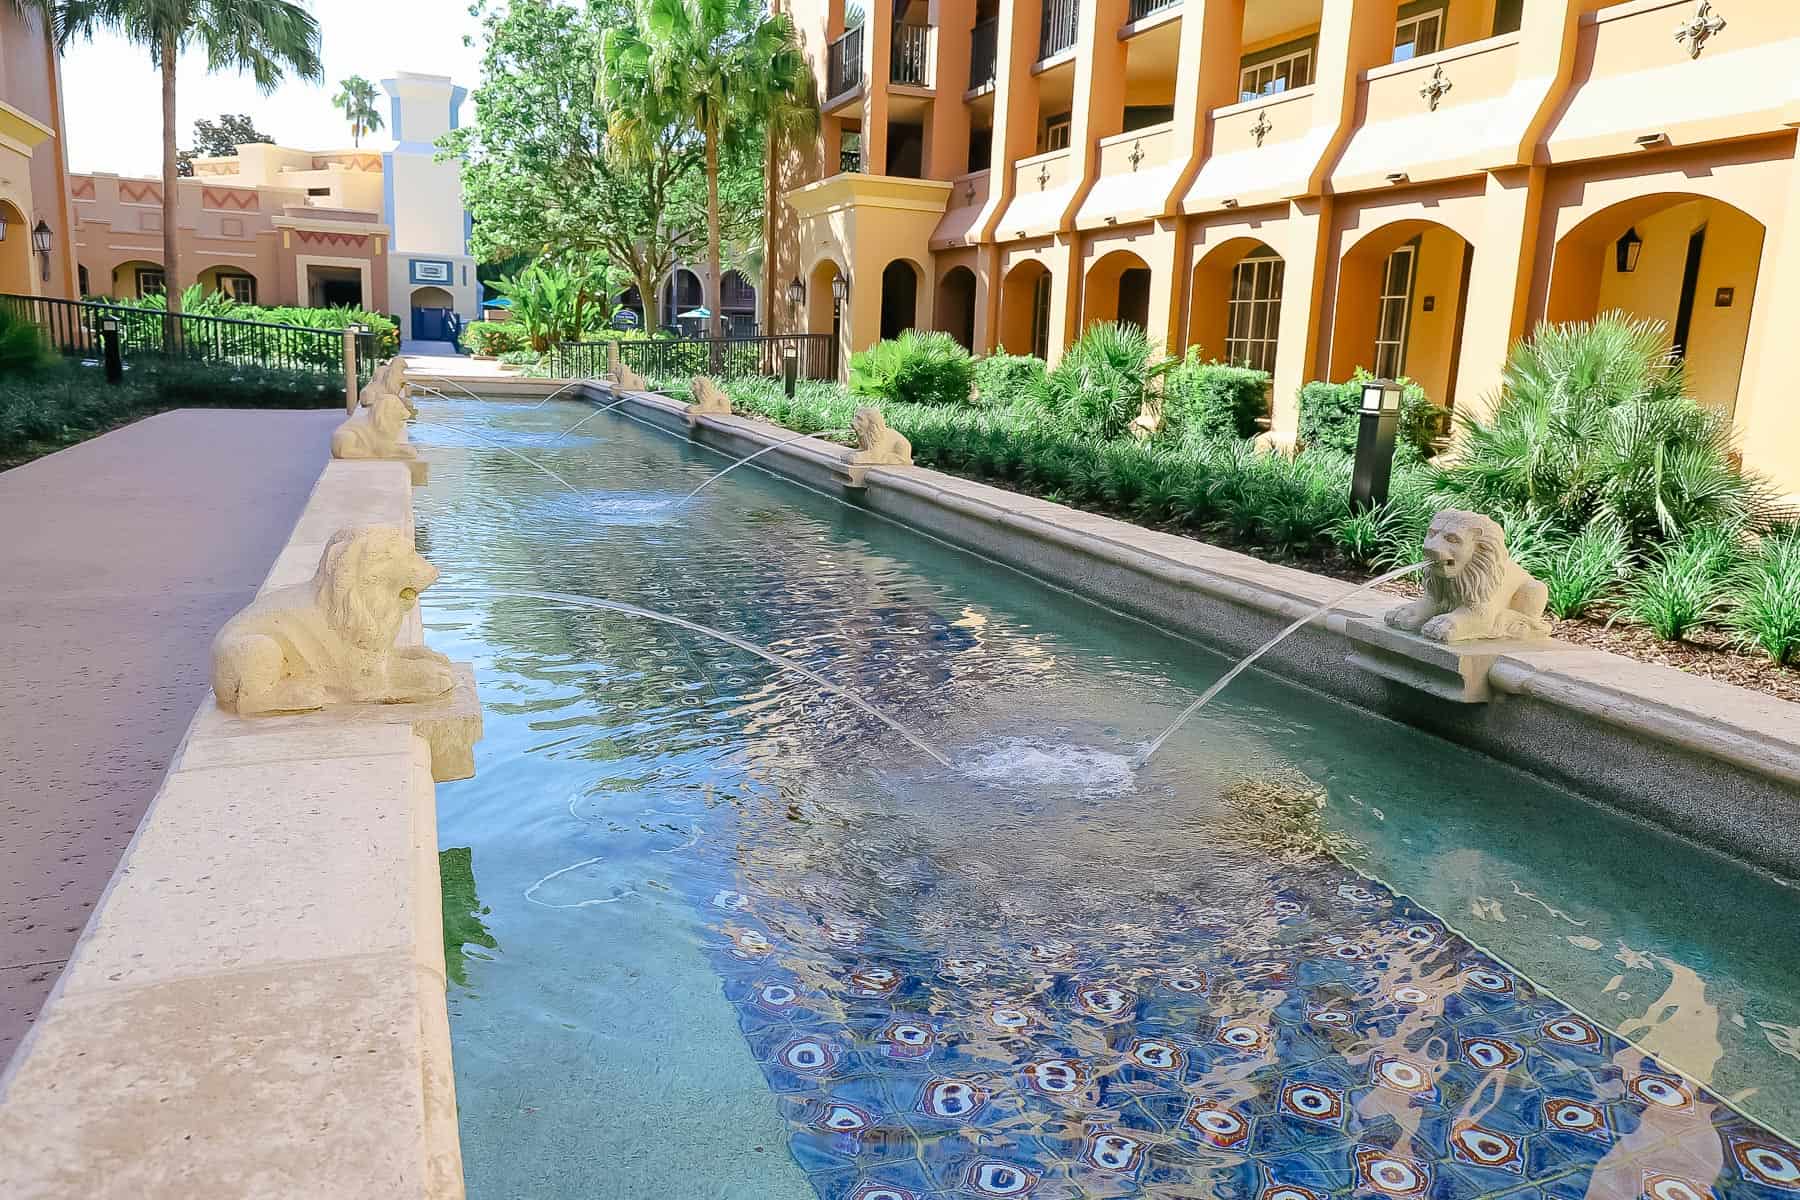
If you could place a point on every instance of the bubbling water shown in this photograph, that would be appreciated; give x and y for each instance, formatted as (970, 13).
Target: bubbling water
(1083, 769)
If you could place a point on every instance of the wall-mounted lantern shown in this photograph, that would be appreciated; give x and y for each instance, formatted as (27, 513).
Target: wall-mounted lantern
(40, 242)
(840, 288)
(1627, 251)
(796, 292)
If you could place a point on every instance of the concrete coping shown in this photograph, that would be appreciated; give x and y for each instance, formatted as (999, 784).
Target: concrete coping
(257, 1006)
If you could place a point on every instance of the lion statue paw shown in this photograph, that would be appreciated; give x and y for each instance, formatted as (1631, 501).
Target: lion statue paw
(1473, 588)
(330, 640)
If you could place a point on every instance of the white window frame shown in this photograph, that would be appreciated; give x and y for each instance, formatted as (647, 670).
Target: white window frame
(1434, 17)
(1253, 310)
(1056, 133)
(230, 285)
(143, 275)
(1390, 342)
(1252, 83)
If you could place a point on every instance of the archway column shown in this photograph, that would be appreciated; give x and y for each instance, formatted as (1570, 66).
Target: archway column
(1065, 294)
(1768, 415)
(1499, 291)
(1307, 236)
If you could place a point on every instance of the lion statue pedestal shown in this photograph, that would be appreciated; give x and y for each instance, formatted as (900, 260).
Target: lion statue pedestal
(1473, 588)
(330, 640)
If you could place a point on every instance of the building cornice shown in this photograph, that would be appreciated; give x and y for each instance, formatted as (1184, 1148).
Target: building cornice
(839, 192)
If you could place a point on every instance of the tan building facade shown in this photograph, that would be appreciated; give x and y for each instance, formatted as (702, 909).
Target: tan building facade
(37, 255)
(1309, 186)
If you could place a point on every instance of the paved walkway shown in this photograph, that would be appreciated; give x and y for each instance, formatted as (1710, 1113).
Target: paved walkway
(421, 346)
(119, 559)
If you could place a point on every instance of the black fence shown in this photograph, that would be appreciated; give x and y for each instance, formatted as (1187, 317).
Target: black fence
(74, 329)
(843, 65)
(1061, 18)
(984, 52)
(909, 56)
(722, 358)
(1143, 8)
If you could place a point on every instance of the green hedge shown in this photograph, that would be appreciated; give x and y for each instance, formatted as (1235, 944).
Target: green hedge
(1328, 417)
(1213, 399)
(914, 368)
(1002, 378)
(494, 337)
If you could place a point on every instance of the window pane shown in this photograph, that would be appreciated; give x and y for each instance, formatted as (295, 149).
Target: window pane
(1427, 39)
(1240, 282)
(1302, 74)
(1280, 275)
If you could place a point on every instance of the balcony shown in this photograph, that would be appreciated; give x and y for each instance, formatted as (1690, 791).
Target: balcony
(984, 46)
(968, 197)
(1263, 150)
(1060, 20)
(1138, 170)
(850, 160)
(844, 64)
(1143, 8)
(1042, 185)
(909, 61)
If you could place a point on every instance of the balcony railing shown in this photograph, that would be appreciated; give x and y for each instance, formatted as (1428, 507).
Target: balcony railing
(1059, 26)
(1143, 8)
(850, 160)
(844, 69)
(910, 60)
(983, 50)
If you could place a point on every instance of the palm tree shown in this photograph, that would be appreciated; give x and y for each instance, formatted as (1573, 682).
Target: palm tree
(264, 37)
(723, 68)
(356, 96)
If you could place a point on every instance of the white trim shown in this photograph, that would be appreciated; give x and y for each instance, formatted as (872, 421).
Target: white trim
(1309, 53)
(303, 283)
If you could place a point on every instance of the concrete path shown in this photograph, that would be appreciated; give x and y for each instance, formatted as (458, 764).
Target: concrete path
(119, 559)
(422, 346)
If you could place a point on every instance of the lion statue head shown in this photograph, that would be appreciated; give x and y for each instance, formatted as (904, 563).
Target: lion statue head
(369, 578)
(868, 424)
(1465, 556)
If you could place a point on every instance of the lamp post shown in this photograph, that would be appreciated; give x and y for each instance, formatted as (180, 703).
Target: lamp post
(40, 242)
(1379, 421)
(109, 341)
(840, 288)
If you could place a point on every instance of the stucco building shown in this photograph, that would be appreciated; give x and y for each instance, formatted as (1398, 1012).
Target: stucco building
(275, 225)
(1310, 185)
(37, 255)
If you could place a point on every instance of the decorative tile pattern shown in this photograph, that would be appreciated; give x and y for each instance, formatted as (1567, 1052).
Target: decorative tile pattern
(1321, 1039)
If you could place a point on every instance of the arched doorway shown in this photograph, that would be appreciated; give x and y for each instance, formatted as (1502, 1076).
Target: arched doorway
(1234, 308)
(899, 297)
(682, 293)
(132, 279)
(15, 253)
(824, 314)
(433, 315)
(228, 280)
(1687, 261)
(1025, 309)
(955, 308)
(1117, 289)
(1401, 297)
(737, 303)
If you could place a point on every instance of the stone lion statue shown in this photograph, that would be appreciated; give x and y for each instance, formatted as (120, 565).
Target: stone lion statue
(1473, 588)
(876, 444)
(391, 378)
(378, 431)
(708, 398)
(330, 640)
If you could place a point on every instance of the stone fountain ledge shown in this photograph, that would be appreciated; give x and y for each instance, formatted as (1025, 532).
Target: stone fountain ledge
(1715, 763)
(257, 1006)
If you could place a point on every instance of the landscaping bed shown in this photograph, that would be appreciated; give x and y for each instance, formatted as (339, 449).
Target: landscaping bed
(1611, 484)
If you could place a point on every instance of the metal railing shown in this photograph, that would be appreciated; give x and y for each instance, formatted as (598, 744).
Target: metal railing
(850, 160)
(72, 328)
(1060, 18)
(844, 69)
(909, 59)
(984, 48)
(658, 359)
(1142, 8)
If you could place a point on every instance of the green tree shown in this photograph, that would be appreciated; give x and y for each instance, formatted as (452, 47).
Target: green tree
(541, 173)
(720, 71)
(216, 138)
(264, 37)
(356, 99)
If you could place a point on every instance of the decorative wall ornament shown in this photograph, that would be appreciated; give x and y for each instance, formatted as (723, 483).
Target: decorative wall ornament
(1697, 29)
(1137, 153)
(1437, 87)
(330, 640)
(1043, 176)
(969, 192)
(1473, 588)
(1263, 127)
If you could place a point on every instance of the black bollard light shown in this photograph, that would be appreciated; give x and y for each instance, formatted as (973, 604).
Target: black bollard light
(109, 342)
(1380, 420)
(790, 369)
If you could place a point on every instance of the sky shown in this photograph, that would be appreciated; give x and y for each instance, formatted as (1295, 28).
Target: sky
(112, 102)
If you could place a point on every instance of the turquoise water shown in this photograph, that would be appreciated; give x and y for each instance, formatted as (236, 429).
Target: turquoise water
(733, 938)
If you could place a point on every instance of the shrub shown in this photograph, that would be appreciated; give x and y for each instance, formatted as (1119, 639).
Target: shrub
(1594, 421)
(1101, 381)
(1213, 399)
(914, 368)
(493, 337)
(1683, 584)
(1003, 378)
(1583, 570)
(1765, 597)
(1328, 417)
(22, 346)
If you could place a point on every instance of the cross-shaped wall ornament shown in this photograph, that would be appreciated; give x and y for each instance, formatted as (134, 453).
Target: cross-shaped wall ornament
(969, 192)
(1262, 128)
(1436, 87)
(1043, 176)
(1698, 28)
(1137, 153)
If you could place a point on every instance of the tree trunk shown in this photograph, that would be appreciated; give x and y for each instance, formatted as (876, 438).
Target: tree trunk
(712, 231)
(170, 174)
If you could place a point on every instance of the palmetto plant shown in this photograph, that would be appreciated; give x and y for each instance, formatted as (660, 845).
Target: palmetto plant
(720, 69)
(543, 299)
(356, 99)
(267, 38)
(1102, 380)
(1765, 592)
